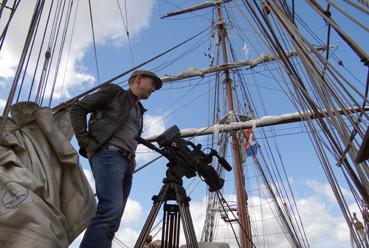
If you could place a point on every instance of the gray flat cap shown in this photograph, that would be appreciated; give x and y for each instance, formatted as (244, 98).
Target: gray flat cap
(158, 82)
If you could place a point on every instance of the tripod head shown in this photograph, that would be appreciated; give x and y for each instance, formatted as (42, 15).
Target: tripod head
(187, 159)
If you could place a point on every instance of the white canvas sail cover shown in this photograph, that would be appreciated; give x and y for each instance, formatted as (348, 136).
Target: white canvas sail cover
(45, 199)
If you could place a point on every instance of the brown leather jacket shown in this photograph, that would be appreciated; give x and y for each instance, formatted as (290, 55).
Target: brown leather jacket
(109, 109)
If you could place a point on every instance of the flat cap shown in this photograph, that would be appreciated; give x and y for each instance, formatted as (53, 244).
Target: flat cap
(157, 80)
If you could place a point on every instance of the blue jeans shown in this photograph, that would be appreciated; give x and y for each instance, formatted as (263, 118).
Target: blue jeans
(113, 180)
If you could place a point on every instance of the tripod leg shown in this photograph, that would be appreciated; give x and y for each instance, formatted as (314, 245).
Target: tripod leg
(178, 228)
(171, 226)
(148, 225)
(188, 228)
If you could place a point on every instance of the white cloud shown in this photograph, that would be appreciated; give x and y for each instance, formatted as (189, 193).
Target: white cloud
(320, 224)
(341, 232)
(77, 241)
(108, 31)
(197, 209)
(132, 213)
(325, 190)
(153, 125)
(8, 63)
(323, 229)
(321, 189)
(126, 233)
(133, 210)
(2, 104)
(198, 214)
(3, 84)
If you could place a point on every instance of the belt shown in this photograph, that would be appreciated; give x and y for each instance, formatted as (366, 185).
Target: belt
(127, 154)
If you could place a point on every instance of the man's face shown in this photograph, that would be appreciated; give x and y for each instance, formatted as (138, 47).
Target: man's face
(146, 86)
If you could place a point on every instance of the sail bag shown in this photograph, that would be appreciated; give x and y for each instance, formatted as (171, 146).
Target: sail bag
(45, 198)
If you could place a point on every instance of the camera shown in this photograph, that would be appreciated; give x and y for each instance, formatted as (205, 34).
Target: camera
(187, 159)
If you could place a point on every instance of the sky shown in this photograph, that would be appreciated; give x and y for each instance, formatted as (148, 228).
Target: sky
(183, 103)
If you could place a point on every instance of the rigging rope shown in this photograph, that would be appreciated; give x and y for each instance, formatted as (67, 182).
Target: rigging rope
(69, 49)
(336, 121)
(61, 49)
(49, 54)
(209, 227)
(348, 15)
(93, 38)
(28, 59)
(303, 231)
(36, 15)
(221, 200)
(54, 46)
(180, 56)
(335, 96)
(187, 104)
(273, 178)
(310, 102)
(359, 7)
(328, 43)
(125, 24)
(236, 96)
(293, 198)
(2, 6)
(66, 104)
(364, 2)
(120, 242)
(5, 30)
(354, 46)
(41, 46)
(292, 65)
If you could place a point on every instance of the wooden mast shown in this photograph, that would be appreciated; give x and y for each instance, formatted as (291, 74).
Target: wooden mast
(241, 195)
(244, 220)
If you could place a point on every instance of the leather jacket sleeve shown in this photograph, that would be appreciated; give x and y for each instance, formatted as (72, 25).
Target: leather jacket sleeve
(91, 103)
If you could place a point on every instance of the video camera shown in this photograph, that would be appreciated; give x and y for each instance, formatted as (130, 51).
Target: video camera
(187, 159)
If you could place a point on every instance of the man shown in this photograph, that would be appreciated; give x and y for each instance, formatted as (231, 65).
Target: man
(108, 141)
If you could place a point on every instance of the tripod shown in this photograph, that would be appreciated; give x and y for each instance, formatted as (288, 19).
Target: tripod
(172, 190)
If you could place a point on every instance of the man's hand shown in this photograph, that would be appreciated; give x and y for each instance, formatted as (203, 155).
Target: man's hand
(133, 165)
(89, 154)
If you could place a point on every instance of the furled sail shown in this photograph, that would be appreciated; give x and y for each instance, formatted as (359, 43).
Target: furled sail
(45, 199)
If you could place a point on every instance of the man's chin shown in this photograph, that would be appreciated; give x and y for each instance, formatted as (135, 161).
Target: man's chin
(145, 97)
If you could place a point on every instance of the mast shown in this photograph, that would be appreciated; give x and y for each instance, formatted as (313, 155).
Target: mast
(241, 195)
(244, 220)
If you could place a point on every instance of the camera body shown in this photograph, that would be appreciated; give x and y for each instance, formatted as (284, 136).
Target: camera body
(187, 159)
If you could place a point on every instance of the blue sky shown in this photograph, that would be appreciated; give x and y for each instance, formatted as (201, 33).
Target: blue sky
(186, 103)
